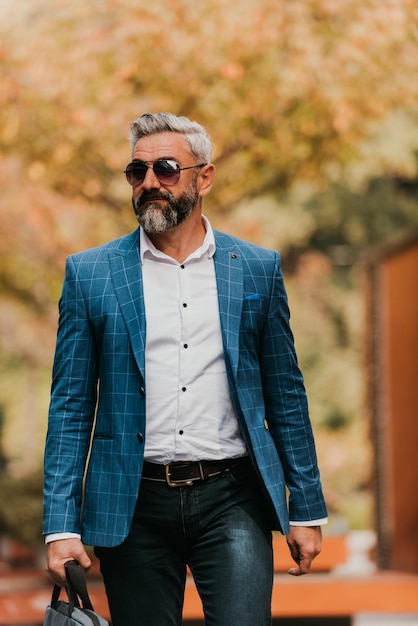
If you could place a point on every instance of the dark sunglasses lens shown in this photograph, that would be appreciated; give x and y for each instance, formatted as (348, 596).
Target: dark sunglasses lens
(167, 172)
(135, 173)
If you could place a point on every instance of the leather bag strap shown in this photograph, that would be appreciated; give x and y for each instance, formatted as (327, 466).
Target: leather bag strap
(77, 586)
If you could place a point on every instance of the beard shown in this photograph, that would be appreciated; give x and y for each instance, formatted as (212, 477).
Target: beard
(156, 217)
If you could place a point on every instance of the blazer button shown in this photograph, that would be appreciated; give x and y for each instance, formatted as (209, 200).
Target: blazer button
(142, 391)
(140, 437)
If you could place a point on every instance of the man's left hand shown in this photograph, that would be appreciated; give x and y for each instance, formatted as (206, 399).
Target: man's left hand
(304, 543)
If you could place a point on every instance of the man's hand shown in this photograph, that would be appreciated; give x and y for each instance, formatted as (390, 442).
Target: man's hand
(61, 551)
(304, 543)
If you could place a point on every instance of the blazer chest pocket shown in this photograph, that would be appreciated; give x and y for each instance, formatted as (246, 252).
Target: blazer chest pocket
(102, 436)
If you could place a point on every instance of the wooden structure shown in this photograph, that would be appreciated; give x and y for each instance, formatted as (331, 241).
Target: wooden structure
(392, 353)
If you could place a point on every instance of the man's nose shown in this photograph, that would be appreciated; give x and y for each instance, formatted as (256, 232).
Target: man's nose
(150, 180)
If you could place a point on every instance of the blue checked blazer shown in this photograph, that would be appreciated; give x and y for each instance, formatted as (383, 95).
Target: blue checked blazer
(97, 422)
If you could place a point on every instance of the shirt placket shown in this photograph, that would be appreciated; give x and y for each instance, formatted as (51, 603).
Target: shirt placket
(184, 390)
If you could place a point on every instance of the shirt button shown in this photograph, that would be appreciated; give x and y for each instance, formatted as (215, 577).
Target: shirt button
(186, 345)
(182, 267)
(181, 432)
(184, 304)
(183, 388)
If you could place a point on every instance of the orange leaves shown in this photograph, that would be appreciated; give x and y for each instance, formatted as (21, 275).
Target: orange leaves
(288, 91)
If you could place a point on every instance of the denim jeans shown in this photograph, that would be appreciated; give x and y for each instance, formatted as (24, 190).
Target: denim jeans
(219, 528)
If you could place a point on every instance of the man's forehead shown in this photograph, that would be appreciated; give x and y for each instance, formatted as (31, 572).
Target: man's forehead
(167, 144)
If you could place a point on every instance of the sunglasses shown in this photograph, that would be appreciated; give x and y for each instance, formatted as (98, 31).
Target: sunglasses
(166, 171)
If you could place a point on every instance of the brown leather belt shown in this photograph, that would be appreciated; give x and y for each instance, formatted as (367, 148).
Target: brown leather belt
(186, 473)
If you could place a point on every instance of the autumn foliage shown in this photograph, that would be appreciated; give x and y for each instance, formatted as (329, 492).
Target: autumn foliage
(294, 93)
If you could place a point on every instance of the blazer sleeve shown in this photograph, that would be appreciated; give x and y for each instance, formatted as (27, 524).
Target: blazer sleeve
(286, 408)
(72, 409)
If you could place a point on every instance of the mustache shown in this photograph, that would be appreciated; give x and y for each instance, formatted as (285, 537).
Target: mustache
(148, 196)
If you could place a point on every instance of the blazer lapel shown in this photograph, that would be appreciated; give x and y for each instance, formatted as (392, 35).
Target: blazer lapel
(229, 278)
(126, 276)
(126, 273)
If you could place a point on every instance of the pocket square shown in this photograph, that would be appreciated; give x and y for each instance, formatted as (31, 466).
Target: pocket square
(252, 296)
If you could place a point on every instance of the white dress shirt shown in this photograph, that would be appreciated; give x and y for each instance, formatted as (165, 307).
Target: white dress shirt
(189, 411)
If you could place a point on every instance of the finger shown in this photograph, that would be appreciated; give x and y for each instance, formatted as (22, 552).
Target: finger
(303, 568)
(57, 575)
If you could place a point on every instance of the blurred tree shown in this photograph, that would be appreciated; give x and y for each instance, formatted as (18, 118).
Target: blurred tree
(294, 95)
(287, 89)
(3, 457)
(294, 84)
(348, 222)
(22, 517)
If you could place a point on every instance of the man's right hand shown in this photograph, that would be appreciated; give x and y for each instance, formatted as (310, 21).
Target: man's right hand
(61, 551)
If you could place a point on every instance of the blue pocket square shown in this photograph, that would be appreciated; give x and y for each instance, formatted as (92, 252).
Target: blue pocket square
(252, 296)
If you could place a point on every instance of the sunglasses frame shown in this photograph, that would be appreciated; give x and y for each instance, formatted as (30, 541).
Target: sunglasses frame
(129, 173)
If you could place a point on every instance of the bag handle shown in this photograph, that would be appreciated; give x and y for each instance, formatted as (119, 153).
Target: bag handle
(76, 588)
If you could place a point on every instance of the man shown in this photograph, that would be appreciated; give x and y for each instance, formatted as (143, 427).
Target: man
(178, 414)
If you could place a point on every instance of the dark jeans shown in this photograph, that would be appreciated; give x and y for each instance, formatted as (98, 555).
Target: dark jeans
(219, 528)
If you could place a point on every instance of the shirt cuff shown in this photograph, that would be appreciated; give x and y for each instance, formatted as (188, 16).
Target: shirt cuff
(312, 522)
(58, 536)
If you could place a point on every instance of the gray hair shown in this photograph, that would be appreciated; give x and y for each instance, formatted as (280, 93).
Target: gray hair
(195, 135)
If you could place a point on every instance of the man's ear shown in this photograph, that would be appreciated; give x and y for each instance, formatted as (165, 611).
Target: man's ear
(205, 179)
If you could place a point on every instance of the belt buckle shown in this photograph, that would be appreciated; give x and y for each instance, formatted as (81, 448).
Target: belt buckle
(175, 483)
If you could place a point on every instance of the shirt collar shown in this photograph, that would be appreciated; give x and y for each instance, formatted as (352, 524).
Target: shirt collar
(208, 247)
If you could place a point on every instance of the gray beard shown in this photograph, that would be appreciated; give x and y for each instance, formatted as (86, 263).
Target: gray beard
(157, 218)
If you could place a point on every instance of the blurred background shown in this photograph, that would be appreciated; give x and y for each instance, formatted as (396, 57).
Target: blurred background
(312, 106)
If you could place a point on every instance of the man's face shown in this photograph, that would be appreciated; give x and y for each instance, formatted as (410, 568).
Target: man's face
(158, 207)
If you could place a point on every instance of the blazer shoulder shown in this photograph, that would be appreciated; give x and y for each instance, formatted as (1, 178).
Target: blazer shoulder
(245, 248)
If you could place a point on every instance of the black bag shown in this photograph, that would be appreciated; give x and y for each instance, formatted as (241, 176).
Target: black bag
(72, 613)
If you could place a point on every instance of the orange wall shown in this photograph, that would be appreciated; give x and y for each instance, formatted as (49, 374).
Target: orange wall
(397, 332)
